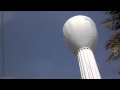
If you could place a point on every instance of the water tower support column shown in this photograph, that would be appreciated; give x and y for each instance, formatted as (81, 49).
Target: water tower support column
(87, 64)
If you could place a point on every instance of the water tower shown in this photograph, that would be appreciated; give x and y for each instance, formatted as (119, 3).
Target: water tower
(81, 36)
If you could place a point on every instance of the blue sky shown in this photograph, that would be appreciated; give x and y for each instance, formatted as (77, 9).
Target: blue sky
(34, 47)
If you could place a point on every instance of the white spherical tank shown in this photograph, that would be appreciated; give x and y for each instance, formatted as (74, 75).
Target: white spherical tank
(80, 31)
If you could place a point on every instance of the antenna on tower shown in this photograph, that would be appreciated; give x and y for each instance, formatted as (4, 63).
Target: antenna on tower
(80, 34)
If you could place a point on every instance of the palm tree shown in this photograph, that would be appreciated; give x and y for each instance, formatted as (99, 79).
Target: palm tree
(113, 44)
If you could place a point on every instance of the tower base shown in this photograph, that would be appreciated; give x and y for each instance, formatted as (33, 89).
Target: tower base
(87, 64)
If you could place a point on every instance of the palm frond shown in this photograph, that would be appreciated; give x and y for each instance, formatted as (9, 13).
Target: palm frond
(112, 12)
(113, 57)
(113, 41)
(113, 22)
(113, 44)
